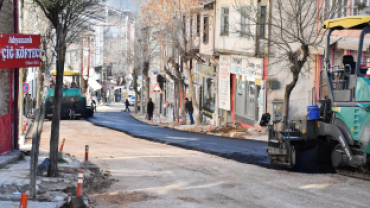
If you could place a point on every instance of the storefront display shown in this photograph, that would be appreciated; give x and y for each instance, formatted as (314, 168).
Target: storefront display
(248, 71)
(209, 97)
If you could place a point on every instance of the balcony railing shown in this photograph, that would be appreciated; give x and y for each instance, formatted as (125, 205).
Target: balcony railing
(338, 12)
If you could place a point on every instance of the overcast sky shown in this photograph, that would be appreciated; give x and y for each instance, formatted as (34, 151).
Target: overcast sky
(124, 4)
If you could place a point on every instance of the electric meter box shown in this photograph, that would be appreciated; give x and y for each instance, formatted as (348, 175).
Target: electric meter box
(277, 110)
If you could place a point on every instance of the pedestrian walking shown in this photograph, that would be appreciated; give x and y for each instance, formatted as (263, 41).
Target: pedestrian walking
(189, 109)
(127, 105)
(72, 108)
(150, 109)
(28, 105)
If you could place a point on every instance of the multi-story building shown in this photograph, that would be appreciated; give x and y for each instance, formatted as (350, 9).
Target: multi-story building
(306, 92)
(242, 60)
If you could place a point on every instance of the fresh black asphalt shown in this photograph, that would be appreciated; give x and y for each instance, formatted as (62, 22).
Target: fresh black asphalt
(247, 151)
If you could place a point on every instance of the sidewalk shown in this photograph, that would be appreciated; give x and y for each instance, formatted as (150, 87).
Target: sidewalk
(51, 192)
(235, 132)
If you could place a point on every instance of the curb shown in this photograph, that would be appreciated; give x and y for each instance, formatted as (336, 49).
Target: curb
(207, 133)
(10, 157)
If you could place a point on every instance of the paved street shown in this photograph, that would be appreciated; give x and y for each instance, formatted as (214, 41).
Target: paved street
(151, 174)
(113, 117)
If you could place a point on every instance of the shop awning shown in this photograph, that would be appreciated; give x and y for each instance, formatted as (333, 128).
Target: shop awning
(94, 84)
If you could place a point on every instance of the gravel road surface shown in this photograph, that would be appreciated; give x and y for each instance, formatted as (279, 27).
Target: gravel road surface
(152, 174)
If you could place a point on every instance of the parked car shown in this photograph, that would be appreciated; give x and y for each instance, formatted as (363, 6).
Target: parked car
(131, 100)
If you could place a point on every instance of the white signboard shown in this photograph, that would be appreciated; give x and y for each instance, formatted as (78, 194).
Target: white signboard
(247, 66)
(224, 83)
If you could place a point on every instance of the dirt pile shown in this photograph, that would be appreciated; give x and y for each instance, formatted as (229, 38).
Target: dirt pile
(119, 198)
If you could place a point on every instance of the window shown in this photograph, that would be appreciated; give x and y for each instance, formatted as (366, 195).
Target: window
(244, 29)
(205, 29)
(198, 25)
(225, 21)
(74, 56)
(263, 21)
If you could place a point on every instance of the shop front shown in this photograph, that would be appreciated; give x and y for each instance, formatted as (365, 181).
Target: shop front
(248, 96)
(208, 90)
(17, 51)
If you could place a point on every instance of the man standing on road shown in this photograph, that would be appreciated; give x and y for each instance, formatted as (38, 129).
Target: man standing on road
(150, 109)
(28, 105)
(127, 105)
(189, 109)
(73, 107)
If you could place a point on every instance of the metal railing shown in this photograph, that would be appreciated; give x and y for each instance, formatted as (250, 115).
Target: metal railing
(338, 12)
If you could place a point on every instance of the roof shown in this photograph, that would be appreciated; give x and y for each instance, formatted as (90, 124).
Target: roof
(351, 22)
(66, 73)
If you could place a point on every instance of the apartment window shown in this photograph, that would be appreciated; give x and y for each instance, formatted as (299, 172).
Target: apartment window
(244, 29)
(191, 27)
(198, 25)
(74, 56)
(225, 21)
(263, 21)
(205, 29)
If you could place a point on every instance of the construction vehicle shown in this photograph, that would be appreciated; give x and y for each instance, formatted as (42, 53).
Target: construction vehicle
(71, 89)
(339, 129)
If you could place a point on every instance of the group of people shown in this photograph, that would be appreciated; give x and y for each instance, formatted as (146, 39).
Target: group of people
(150, 109)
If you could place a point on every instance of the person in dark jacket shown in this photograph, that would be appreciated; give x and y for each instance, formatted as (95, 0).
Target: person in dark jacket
(127, 105)
(265, 119)
(189, 109)
(28, 103)
(150, 109)
(72, 108)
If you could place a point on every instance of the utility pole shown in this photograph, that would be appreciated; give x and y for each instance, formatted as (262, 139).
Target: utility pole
(142, 81)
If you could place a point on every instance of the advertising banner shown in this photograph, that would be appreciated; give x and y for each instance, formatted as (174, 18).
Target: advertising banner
(224, 83)
(250, 67)
(19, 51)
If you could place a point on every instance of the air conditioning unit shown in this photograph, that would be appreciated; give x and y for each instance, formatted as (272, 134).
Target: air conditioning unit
(272, 85)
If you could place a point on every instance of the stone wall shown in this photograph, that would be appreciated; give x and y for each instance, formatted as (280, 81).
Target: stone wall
(6, 17)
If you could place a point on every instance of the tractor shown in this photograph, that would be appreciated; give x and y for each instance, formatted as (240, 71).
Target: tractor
(339, 126)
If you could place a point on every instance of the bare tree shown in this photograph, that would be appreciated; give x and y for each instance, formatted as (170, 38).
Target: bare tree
(289, 30)
(67, 17)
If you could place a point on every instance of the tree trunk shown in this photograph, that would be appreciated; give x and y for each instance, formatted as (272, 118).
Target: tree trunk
(175, 102)
(57, 103)
(192, 94)
(182, 98)
(135, 90)
(216, 116)
(288, 90)
(147, 85)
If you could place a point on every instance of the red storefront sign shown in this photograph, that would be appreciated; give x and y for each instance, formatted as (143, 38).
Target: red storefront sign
(19, 51)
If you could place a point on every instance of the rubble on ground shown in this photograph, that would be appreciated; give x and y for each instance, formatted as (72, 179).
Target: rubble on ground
(231, 129)
(55, 191)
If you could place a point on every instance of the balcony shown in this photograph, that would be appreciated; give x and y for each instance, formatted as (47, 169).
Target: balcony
(339, 12)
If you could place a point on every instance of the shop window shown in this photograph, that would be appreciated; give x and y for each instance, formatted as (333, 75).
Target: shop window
(250, 99)
(4, 92)
(209, 97)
